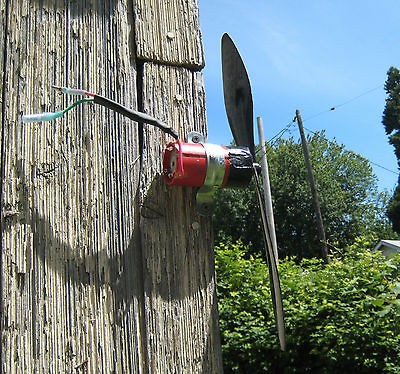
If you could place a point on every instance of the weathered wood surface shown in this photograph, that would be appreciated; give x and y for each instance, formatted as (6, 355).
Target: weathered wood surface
(169, 32)
(104, 268)
(178, 269)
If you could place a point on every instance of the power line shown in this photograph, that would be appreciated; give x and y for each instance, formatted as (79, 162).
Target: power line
(371, 162)
(331, 109)
(281, 132)
(287, 127)
(383, 167)
(357, 97)
(290, 124)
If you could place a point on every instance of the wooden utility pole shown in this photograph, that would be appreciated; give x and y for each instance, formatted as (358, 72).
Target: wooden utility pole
(104, 268)
(314, 189)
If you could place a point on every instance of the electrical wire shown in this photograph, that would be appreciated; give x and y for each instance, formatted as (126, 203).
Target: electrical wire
(76, 103)
(281, 132)
(371, 162)
(331, 109)
(384, 168)
(290, 124)
(50, 116)
(287, 128)
(73, 91)
(134, 115)
(103, 101)
(357, 97)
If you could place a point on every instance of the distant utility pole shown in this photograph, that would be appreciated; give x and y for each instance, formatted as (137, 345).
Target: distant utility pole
(314, 190)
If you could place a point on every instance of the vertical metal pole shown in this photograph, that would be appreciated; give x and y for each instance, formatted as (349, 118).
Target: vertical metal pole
(267, 187)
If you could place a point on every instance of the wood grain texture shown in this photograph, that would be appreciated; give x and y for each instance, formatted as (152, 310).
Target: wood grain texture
(72, 297)
(104, 268)
(179, 279)
(168, 32)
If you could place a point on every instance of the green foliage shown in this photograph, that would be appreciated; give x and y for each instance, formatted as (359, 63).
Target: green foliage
(350, 202)
(391, 121)
(391, 114)
(340, 317)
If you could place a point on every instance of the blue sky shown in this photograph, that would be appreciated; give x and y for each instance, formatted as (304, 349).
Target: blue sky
(309, 55)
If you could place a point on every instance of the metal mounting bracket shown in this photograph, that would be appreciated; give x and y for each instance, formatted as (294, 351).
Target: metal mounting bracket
(215, 173)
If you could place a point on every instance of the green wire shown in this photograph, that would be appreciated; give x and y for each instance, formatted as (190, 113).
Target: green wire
(73, 105)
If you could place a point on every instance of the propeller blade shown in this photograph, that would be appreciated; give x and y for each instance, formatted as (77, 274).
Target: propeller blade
(275, 285)
(239, 109)
(237, 95)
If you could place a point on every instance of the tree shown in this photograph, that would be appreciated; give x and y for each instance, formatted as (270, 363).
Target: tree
(391, 121)
(350, 202)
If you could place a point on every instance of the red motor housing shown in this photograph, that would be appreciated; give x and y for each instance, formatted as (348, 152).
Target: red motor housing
(206, 164)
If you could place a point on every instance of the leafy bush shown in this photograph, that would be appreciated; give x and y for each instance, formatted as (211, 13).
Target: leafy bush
(341, 317)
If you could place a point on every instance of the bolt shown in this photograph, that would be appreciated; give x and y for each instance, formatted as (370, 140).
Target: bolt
(170, 35)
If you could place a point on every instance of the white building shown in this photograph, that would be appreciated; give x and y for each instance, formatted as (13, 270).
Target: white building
(388, 247)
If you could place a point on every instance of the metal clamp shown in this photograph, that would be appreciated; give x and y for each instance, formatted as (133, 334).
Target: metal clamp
(195, 137)
(214, 178)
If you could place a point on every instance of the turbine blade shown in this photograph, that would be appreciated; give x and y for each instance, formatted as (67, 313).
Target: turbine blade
(237, 95)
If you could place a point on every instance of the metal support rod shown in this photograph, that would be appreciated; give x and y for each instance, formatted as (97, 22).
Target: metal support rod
(267, 188)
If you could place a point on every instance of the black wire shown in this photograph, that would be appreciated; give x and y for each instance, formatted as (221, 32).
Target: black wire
(135, 115)
(281, 132)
